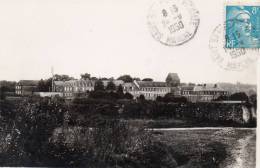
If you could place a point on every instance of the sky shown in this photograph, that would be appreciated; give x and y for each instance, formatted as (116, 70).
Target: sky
(104, 38)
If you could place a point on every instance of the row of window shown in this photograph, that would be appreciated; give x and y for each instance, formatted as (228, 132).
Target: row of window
(67, 94)
(152, 95)
(204, 92)
(18, 92)
(156, 89)
(82, 84)
(203, 98)
(129, 88)
(78, 88)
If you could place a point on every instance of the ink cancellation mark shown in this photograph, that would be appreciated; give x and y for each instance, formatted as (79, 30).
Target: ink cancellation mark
(242, 26)
(233, 59)
(173, 22)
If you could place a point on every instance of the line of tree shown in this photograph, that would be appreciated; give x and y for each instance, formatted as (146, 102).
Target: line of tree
(239, 96)
(46, 85)
(111, 91)
(6, 87)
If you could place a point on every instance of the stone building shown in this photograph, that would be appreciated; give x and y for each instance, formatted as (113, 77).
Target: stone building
(203, 93)
(74, 88)
(116, 82)
(151, 90)
(131, 88)
(58, 86)
(26, 87)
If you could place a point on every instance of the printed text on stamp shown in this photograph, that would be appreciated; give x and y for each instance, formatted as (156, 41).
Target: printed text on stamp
(242, 26)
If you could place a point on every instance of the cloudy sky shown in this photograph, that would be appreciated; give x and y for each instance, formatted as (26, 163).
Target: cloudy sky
(104, 38)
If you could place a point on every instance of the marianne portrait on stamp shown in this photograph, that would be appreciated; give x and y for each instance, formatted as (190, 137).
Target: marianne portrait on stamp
(241, 27)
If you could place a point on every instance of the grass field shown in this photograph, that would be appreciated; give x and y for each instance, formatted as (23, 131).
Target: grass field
(182, 123)
(209, 148)
(205, 147)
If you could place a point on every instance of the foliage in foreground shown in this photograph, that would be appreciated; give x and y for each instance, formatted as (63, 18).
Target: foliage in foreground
(41, 136)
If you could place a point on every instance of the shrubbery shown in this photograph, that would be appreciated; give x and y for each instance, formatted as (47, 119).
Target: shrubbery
(41, 136)
(52, 132)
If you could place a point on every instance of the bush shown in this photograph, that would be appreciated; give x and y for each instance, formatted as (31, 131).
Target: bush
(153, 156)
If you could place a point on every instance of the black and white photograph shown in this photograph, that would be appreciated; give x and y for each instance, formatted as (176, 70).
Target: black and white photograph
(129, 83)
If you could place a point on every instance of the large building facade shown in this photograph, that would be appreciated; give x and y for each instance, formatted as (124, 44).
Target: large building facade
(203, 93)
(74, 88)
(26, 87)
(149, 89)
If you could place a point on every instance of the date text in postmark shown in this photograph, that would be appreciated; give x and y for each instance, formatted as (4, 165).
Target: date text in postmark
(233, 59)
(173, 22)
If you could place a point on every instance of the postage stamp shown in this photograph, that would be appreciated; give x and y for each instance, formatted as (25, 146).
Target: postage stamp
(242, 26)
(233, 59)
(173, 22)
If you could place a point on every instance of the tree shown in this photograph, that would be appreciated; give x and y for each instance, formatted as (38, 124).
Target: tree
(136, 79)
(94, 78)
(62, 77)
(8, 86)
(159, 99)
(128, 96)
(99, 86)
(221, 98)
(44, 85)
(239, 96)
(2, 93)
(35, 121)
(125, 78)
(191, 84)
(120, 89)
(41, 86)
(148, 79)
(169, 97)
(253, 99)
(85, 76)
(111, 86)
(5, 87)
(141, 97)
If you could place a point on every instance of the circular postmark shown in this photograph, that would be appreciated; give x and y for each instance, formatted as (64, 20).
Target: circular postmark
(173, 22)
(233, 59)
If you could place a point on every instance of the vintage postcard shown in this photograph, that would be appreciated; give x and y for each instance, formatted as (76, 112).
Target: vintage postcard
(129, 83)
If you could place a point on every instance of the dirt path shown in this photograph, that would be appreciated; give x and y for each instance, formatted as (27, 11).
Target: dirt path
(244, 154)
(199, 128)
(243, 151)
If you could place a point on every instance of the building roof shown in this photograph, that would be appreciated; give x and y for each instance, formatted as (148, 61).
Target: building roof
(129, 85)
(59, 83)
(151, 84)
(79, 83)
(116, 82)
(208, 87)
(173, 76)
(28, 82)
(175, 89)
(187, 88)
